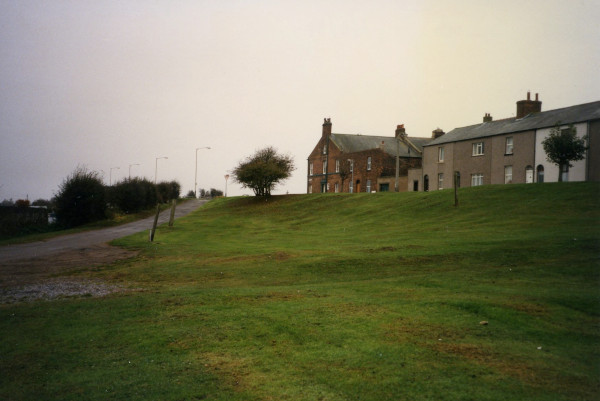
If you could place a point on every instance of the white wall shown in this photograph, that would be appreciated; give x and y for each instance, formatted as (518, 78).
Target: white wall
(576, 173)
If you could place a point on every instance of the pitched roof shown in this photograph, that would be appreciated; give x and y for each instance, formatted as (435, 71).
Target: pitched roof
(358, 143)
(544, 119)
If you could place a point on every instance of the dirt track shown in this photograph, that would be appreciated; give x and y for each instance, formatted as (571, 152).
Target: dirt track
(33, 271)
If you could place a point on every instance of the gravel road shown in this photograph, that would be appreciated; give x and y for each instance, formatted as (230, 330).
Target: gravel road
(52, 269)
(88, 239)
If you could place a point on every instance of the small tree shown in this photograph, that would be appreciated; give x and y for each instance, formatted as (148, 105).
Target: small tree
(81, 198)
(190, 194)
(562, 147)
(263, 171)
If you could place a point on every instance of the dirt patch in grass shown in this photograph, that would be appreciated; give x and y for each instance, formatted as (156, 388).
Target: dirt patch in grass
(46, 277)
(528, 308)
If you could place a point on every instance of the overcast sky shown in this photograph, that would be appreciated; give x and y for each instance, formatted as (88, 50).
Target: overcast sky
(110, 84)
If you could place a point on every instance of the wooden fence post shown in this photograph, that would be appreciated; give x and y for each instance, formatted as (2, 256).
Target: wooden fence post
(172, 218)
(456, 188)
(155, 223)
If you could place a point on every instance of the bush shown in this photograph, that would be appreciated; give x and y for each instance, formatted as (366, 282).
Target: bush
(133, 195)
(167, 191)
(24, 203)
(215, 192)
(81, 198)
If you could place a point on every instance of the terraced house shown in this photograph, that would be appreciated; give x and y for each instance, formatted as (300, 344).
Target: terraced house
(509, 150)
(362, 163)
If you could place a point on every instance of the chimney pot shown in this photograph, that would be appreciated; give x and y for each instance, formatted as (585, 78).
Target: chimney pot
(528, 95)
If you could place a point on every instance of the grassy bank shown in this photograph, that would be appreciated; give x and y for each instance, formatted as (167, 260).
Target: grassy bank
(334, 297)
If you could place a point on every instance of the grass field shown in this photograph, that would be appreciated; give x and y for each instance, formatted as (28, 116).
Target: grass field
(334, 297)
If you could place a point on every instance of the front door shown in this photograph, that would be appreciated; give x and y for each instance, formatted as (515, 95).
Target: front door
(357, 185)
(529, 175)
(415, 185)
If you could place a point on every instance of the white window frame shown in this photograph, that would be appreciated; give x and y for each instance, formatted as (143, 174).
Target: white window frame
(325, 167)
(369, 163)
(440, 181)
(478, 149)
(476, 179)
(441, 154)
(509, 148)
(310, 168)
(368, 186)
(508, 174)
(337, 165)
(337, 187)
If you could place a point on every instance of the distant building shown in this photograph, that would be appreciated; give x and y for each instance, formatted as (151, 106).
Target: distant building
(509, 150)
(362, 163)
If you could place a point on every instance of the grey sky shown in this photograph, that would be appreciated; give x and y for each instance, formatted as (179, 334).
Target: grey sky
(113, 83)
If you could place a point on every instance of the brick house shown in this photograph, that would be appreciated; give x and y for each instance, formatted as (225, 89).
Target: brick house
(509, 150)
(362, 163)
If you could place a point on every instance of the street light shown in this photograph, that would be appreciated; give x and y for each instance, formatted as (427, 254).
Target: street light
(352, 171)
(110, 175)
(156, 167)
(130, 169)
(196, 170)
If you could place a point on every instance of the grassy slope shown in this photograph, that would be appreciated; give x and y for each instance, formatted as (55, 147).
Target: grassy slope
(337, 296)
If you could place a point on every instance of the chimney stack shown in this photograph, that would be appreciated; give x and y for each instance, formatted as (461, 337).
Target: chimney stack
(525, 107)
(436, 133)
(327, 127)
(487, 118)
(400, 131)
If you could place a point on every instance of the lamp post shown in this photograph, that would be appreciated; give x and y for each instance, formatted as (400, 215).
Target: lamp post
(196, 170)
(156, 167)
(226, 178)
(110, 175)
(352, 171)
(136, 164)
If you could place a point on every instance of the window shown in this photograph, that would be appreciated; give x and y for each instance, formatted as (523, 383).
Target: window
(476, 179)
(368, 164)
(509, 146)
(441, 181)
(441, 154)
(478, 149)
(337, 187)
(325, 149)
(310, 169)
(324, 166)
(508, 174)
(368, 185)
(337, 166)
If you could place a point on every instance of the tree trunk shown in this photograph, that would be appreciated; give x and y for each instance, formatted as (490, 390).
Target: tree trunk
(560, 169)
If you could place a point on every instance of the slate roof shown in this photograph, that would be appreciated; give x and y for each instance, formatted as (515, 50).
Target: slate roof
(357, 143)
(544, 119)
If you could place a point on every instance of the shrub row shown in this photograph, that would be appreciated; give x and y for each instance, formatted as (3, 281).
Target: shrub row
(83, 198)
